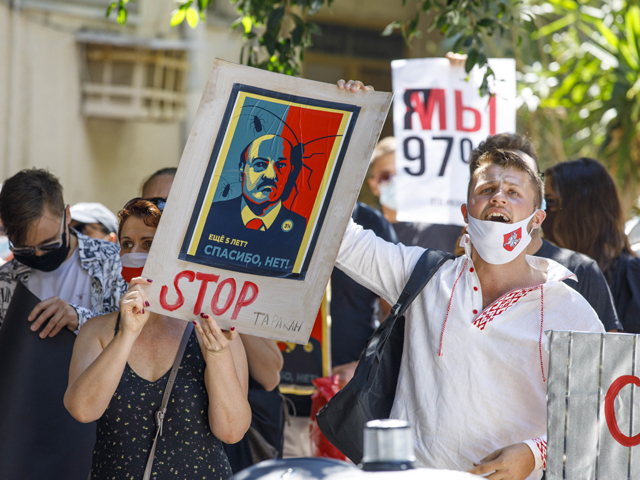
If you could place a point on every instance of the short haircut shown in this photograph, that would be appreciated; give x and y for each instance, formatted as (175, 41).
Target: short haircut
(508, 159)
(503, 141)
(295, 158)
(23, 199)
(143, 209)
(81, 227)
(163, 171)
(384, 147)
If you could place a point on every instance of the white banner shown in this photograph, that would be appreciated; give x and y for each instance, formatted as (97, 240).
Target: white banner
(439, 117)
(593, 406)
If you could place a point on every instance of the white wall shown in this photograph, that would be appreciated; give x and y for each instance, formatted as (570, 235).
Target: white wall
(41, 124)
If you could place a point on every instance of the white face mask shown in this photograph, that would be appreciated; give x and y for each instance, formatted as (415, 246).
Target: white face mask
(388, 196)
(499, 243)
(132, 265)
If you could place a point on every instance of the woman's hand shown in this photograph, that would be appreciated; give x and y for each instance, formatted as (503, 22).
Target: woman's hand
(133, 316)
(213, 341)
(354, 86)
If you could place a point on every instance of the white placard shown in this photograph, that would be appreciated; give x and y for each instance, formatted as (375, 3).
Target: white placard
(439, 117)
(298, 148)
(593, 406)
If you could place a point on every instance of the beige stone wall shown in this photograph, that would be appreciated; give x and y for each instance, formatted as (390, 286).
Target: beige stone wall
(41, 121)
(41, 124)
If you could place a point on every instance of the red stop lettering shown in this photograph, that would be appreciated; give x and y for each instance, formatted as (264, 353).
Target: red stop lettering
(189, 275)
(610, 413)
(243, 301)
(215, 309)
(205, 278)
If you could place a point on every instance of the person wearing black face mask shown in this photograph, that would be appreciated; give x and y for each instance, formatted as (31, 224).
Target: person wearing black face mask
(76, 277)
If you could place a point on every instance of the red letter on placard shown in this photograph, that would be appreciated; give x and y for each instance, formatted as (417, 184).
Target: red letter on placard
(205, 278)
(243, 301)
(434, 96)
(189, 275)
(610, 413)
(492, 115)
(216, 296)
(460, 109)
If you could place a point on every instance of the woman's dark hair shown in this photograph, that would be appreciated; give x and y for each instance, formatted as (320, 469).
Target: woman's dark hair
(149, 211)
(589, 219)
(23, 199)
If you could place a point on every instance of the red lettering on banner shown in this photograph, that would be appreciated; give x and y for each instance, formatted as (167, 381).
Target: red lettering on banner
(415, 101)
(610, 414)
(460, 109)
(189, 275)
(205, 278)
(492, 115)
(216, 297)
(243, 301)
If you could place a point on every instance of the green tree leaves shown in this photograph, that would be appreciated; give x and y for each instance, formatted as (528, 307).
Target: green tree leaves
(276, 32)
(120, 6)
(466, 24)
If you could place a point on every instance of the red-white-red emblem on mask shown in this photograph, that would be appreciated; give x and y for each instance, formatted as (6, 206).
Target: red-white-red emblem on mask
(512, 239)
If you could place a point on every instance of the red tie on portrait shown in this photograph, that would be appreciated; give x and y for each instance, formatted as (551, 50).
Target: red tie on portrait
(255, 224)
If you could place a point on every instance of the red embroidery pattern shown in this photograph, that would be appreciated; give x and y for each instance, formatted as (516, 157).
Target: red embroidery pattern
(444, 325)
(542, 447)
(541, 330)
(499, 306)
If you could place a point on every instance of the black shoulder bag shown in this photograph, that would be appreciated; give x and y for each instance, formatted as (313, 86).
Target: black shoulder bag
(371, 392)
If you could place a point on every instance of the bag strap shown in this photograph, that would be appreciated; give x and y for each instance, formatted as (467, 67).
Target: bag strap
(428, 264)
(165, 398)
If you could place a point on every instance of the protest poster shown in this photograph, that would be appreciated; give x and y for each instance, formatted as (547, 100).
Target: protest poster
(303, 364)
(438, 118)
(593, 413)
(265, 187)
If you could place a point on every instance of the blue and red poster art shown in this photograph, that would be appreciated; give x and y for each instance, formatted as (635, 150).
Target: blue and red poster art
(268, 183)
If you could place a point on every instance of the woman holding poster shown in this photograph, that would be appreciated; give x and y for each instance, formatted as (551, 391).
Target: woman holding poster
(122, 367)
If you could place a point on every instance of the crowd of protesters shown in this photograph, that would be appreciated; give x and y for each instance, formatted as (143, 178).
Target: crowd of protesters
(84, 263)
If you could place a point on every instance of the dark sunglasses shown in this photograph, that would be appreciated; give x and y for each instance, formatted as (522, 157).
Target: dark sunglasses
(47, 247)
(159, 202)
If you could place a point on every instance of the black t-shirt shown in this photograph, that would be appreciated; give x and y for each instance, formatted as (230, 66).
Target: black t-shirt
(353, 307)
(427, 235)
(591, 283)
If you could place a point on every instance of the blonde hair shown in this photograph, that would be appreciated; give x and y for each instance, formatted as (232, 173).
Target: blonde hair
(384, 147)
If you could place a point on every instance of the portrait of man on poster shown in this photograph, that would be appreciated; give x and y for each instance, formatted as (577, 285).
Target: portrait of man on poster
(270, 177)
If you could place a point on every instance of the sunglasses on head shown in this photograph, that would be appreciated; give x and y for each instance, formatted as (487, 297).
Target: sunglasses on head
(47, 247)
(159, 202)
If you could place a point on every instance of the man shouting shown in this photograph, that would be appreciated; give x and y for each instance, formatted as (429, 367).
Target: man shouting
(472, 383)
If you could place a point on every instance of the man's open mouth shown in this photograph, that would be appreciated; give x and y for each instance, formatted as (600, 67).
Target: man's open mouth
(497, 217)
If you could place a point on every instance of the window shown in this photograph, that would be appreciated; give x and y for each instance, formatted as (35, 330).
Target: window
(144, 80)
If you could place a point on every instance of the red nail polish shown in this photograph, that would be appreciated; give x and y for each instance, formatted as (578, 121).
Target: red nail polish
(233, 328)
(147, 304)
(143, 310)
(194, 322)
(149, 280)
(202, 315)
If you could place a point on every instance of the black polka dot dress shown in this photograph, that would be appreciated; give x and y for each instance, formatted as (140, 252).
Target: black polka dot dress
(186, 450)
